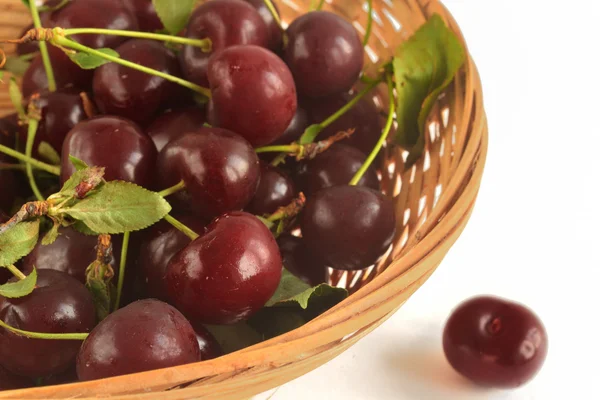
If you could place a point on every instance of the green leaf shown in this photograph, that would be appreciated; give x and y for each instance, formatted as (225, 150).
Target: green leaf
(234, 337)
(20, 288)
(119, 207)
(77, 163)
(18, 242)
(16, 66)
(47, 152)
(83, 228)
(16, 97)
(101, 295)
(275, 321)
(174, 14)
(26, 2)
(93, 174)
(52, 235)
(424, 66)
(90, 61)
(310, 134)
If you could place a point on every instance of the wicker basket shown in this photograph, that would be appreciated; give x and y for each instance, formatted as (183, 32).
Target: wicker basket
(434, 200)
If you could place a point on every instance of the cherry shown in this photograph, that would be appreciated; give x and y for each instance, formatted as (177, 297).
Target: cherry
(10, 381)
(275, 189)
(173, 124)
(58, 304)
(227, 274)
(122, 91)
(253, 91)
(115, 143)
(7, 177)
(143, 336)
(145, 12)
(349, 227)
(69, 376)
(324, 53)
(275, 33)
(336, 166)
(209, 347)
(495, 343)
(100, 14)
(296, 127)
(158, 245)
(66, 73)
(226, 23)
(301, 262)
(220, 170)
(363, 118)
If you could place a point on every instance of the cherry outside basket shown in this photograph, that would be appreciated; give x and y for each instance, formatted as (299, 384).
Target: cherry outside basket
(433, 198)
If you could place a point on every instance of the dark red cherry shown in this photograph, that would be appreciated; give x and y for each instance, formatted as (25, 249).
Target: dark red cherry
(226, 23)
(300, 261)
(100, 14)
(349, 227)
(220, 170)
(296, 128)
(336, 166)
(363, 118)
(253, 93)
(7, 177)
(275, 189)
(10, 381)
(174, 124)
(159, 244)
(115, 143)
(69, 376)
(324, 53)
(275, 33)
(227, 274)
(145, 12)
(123, 91)
(143, 336)
(209, 347)
(66, 73)
(495, 343)
(58, 304)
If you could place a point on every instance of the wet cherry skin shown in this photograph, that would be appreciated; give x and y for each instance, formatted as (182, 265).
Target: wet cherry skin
(349, 227)
(324, 53)
(495, 342)
(209, 347)
(175, 123)
(59, 304)
(133, 339)
(253, 92)
(275, 189)
(226, 23)
(300, 261)
(275, 33)
(93, 141)
(227, 274)
(145, 12)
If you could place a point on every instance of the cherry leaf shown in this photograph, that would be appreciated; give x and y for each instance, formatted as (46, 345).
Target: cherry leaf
(77, 163)
(16, 65)
(174, 14)
(52, 235)
(18, 241)
(294, 292)
(16, 97)
(47, 152)
(20, 288)
(91, 61)
(234, 337)
(310, 134)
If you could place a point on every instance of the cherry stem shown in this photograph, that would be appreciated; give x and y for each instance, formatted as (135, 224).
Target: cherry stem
(275, 14)
(348, 106)
(40, 335)
(369, 23)
(289, 211)
(37, 23)
(173, 189)
(292, 148)
(31, 132)
(33, 209)
(318, 6)
(52, 169)
(11, 167)
(386, 131)
(306, 151)
(204, 44)
(16, 272)
(182, 228)
(122, 267)
(64, 42)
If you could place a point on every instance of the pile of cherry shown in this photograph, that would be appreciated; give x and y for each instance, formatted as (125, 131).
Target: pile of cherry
(266, 88)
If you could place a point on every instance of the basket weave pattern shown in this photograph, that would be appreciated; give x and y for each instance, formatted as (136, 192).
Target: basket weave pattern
(434, 199)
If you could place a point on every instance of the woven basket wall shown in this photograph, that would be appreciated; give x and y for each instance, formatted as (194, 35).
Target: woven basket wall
(433, 199)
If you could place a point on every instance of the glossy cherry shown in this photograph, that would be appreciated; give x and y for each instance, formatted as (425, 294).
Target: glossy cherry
(254, 93)
(7, 178)
(59, 304)
(158, 245)
(275, 33)
(115, 143)
(220, 170)
(495, 343)
(145, 12)
(10, 381)
(275, 189)
(132, 94)
(226, 23)
(300, 261)
(173, 124)
(143, 336)
(296, 128)
(324, 53)
(336, 166)
(227, 274)
(349, 227)
(209, 347)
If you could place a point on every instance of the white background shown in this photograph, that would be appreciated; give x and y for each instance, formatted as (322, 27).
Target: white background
(534, 235)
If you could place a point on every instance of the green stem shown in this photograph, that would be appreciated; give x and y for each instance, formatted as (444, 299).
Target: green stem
(320, 5)
(52, 169)
(122, 267)
(274, 12)
(369, 24)
(31, 131)
(348, 106)
(28, 57)
(182, 228)
(286, 148)
(37, 23)
(382, 138)
(15, 271)
(64, 42)
(204, 44)
(173, 189)
(40, 335)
